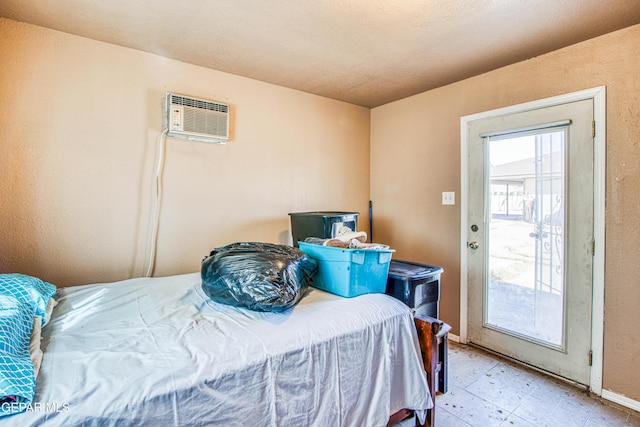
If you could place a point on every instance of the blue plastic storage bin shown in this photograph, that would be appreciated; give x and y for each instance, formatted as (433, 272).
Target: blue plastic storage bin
(349, 272)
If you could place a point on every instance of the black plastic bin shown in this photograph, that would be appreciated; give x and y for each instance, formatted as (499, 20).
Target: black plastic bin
(320, 224)
(417, 285)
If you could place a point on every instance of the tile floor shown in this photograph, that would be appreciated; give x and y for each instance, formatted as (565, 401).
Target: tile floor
(485, 391)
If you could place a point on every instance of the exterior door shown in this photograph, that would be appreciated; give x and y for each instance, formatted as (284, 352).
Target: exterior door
(530, 237)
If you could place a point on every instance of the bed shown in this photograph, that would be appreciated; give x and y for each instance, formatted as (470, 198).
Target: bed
(158, 352)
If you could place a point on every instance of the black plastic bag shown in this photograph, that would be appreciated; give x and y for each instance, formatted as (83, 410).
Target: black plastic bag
(257, 276)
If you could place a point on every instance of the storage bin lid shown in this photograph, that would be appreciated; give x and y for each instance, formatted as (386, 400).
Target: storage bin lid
(323, 213)
(412, 270)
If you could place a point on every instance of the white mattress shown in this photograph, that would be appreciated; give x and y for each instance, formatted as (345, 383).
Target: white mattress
(158, 352)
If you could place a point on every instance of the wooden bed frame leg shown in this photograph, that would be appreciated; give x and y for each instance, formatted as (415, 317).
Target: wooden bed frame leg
(402, 414)
(428, 329)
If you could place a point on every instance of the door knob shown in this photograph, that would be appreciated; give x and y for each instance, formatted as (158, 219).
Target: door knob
(473, 245)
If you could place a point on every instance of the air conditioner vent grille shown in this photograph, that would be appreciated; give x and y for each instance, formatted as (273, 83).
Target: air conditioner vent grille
(199, 103)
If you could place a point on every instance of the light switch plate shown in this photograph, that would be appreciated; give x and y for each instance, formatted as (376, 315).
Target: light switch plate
(448, 198)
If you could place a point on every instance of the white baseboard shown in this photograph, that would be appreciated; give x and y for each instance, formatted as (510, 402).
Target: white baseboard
(621, 400)
(453, 337)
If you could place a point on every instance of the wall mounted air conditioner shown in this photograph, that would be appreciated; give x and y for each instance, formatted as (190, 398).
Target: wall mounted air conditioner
(197, 119)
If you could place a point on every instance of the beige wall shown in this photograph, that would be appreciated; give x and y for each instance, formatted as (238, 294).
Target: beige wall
(416, 156)
(80, 123)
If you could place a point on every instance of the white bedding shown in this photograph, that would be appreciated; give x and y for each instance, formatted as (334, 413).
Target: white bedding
(158, 352)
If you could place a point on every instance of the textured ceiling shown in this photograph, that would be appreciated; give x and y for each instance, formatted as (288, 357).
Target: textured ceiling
(366, 52)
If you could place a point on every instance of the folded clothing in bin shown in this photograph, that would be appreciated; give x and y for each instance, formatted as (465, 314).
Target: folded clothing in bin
(346, 238)
(349, 272)
(257, 276)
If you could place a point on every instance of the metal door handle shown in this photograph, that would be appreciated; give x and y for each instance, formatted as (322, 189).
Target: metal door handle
(473, 245)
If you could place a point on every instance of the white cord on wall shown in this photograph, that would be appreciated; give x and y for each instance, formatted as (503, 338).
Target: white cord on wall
(157, 201)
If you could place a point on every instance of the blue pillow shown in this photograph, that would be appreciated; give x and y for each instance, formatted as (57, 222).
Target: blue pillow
(22, 298)
(29, 290)
(17, 378)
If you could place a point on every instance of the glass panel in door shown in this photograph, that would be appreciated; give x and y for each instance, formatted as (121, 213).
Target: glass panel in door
(524, 292)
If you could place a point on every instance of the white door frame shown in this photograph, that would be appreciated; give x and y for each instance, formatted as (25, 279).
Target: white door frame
(598, 95)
